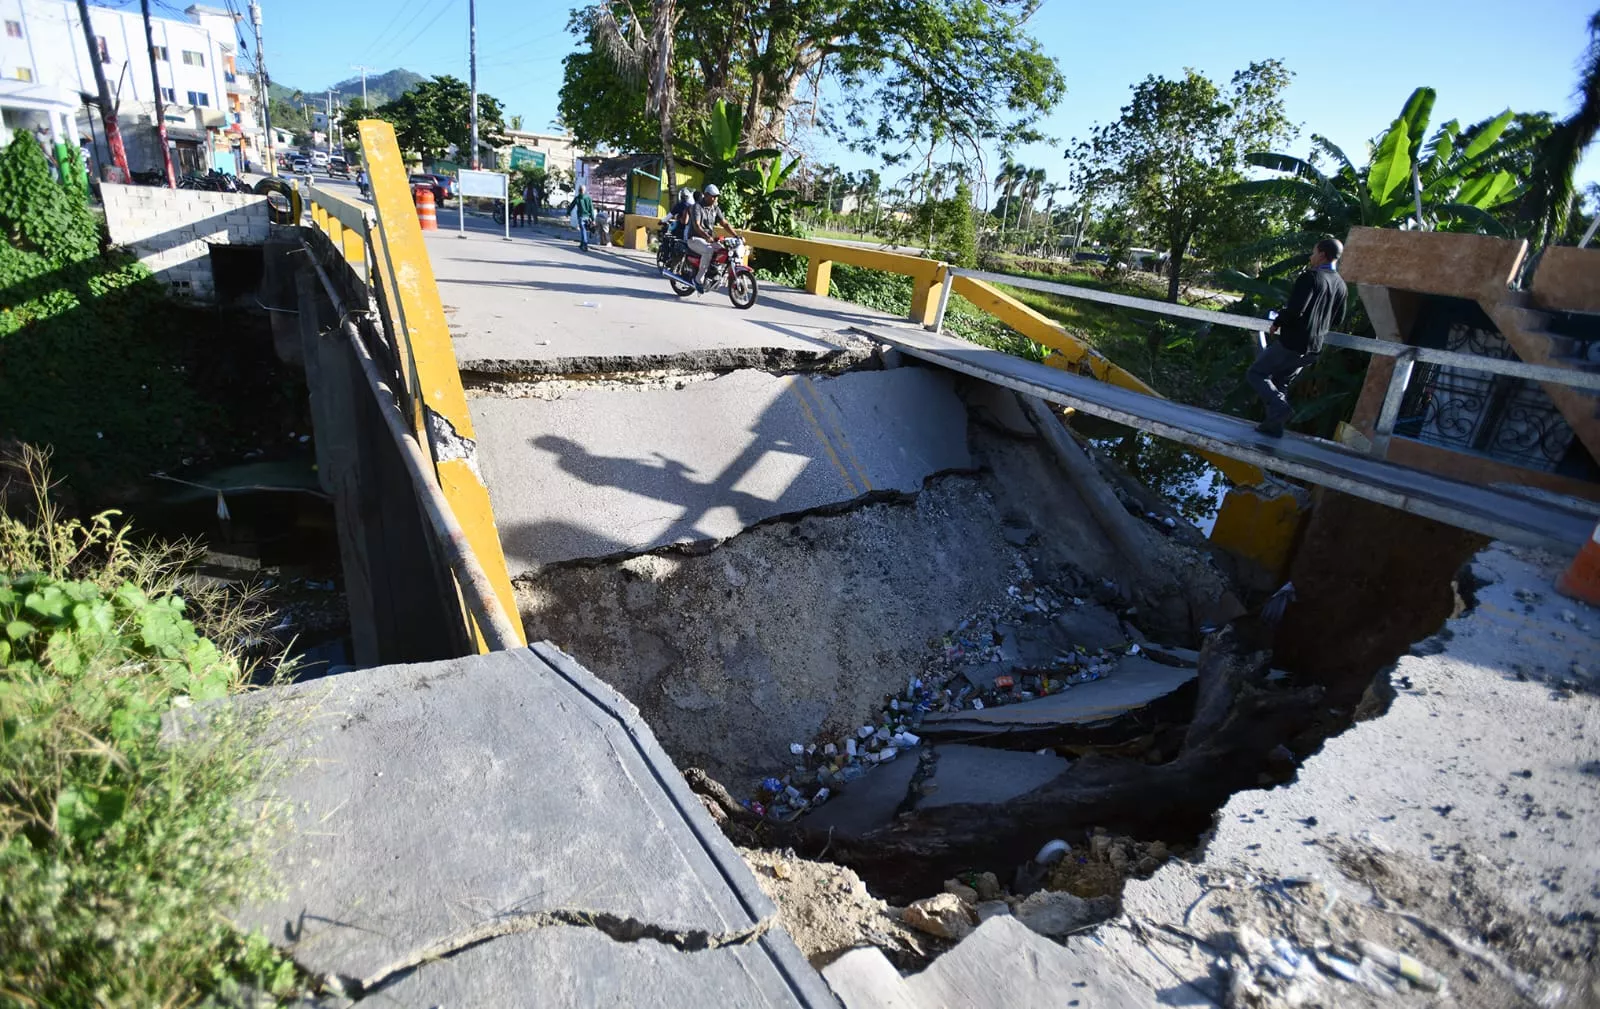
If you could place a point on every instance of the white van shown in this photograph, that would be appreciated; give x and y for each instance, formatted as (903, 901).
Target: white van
(319, 159)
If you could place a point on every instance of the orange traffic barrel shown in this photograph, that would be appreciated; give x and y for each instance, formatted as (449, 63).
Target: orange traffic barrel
(1581, 580)
(427, 216)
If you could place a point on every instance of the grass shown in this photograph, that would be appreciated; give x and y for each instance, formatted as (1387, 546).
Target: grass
(846, 236)
(123, 845)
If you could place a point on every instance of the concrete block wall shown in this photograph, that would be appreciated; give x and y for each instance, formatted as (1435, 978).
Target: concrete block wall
(172, 231)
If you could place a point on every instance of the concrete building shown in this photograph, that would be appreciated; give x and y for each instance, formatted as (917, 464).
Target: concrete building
(552, 150)
(47, 83)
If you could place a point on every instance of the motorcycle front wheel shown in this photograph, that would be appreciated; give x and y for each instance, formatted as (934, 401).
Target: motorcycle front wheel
(742, 289)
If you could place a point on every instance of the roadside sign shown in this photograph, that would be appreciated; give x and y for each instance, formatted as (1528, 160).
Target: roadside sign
(486, 184)
(523, 156)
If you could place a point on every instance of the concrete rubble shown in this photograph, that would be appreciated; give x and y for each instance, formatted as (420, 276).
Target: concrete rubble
(1440, 853)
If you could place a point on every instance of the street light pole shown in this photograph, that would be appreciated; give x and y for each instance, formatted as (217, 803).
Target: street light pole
(328, 115)
(472, 29)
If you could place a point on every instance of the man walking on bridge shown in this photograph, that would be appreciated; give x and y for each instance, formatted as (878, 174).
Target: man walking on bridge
(1315, 305)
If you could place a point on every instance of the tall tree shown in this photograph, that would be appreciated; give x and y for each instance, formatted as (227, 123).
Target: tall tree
(918, 73)
(432, 117)
(1552, 182)
(1178, 146)
(644, 52)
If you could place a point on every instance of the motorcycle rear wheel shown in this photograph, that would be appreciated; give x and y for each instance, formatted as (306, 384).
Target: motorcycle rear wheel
(680, 288)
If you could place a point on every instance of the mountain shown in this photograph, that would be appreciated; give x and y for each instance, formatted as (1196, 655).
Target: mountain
(380, 88)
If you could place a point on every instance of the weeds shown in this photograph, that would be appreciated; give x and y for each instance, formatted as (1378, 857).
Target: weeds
(123, 845)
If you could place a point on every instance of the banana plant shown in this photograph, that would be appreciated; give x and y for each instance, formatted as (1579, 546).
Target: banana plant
(771, 202)
(1447, 182)
(717, 147)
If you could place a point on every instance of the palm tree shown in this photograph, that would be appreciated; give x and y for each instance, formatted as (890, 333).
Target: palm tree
(636, 55)
(1551, 183)
(1006, 181)
(1032, 184)
(1051, 191)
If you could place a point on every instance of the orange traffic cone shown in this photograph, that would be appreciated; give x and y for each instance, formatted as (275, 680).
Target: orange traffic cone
(1581, 580)
(427, 217)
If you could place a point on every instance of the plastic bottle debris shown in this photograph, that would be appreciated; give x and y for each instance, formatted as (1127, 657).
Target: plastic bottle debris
(797, 749)
(1413, 970)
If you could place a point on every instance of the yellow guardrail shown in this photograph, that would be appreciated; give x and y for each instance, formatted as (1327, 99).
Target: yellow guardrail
(383, 246)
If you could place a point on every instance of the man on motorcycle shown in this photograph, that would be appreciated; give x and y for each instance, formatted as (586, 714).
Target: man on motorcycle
(703, 221)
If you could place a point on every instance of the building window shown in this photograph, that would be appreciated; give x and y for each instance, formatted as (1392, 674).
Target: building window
(193, 59)
(14, 29)
(199, 98)
(168, 95)
(161, 53)
(105, 50)
(24, 74)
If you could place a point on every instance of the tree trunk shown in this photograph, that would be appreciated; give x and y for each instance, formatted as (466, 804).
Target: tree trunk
(108, 112)
(1175, 270)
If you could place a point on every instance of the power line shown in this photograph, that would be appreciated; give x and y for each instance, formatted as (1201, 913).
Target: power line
(423, 30)
(394, 21)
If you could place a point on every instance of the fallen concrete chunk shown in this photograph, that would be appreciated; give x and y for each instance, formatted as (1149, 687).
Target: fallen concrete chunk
(1135, 683)
(865, 979)
(1005, 965)
(1092, 627)
(868, 802)
(1057, 913)
(980, 775)
(944, 915)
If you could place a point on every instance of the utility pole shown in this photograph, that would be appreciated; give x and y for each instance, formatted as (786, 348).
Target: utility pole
(363, 69)
(108, 112)
(263, 87)
(161, 105)
(328, 115)
(472, 58)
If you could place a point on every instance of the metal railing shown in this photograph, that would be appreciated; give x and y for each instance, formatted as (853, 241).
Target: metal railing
(389, 310)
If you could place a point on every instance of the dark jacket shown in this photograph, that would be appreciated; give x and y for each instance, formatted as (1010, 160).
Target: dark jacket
(1316, 305)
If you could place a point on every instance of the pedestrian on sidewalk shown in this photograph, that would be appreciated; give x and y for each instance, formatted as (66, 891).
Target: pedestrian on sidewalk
(583, 216)
(1316, 305)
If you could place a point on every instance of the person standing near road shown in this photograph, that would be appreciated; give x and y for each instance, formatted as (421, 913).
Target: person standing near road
(583, 216)
(1316, 305)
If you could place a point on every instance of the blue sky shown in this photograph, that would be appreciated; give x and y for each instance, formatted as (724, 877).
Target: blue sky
(1355, 61)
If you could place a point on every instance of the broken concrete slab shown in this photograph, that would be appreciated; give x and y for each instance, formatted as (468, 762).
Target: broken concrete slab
(609, 472)
(981, 775)
(868, 802)
(1005, 965)
(444, 804)
(566, 966)
(1135, 683)
(1094, 627)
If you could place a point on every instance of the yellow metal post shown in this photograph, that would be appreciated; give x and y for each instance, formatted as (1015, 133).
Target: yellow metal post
(427, 336)
(818, 274)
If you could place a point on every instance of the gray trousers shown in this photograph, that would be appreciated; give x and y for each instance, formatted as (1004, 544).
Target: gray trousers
(1274, 369)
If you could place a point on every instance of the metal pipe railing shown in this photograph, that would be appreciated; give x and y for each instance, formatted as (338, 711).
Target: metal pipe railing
(1574, 377)
(477, 590)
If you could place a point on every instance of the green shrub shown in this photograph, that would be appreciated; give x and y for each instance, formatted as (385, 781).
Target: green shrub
(121, 848)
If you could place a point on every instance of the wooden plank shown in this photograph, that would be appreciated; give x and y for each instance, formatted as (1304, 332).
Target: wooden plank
(1480, 509)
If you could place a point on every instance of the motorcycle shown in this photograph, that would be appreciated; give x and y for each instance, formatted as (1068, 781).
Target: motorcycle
(728, 263)
(670, 249)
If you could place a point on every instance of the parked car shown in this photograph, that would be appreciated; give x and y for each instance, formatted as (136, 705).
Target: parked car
(440, 184)
(338, 168)
(319, 159)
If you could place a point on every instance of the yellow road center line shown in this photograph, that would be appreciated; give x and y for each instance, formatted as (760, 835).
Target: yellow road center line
(827, 443)
(835, 419)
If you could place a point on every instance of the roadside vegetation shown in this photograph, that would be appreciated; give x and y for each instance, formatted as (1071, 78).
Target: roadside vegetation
(98, 362)
(123, 843)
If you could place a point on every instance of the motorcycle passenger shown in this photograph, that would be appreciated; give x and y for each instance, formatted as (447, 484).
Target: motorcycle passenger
(679, 214)
(703, 221)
